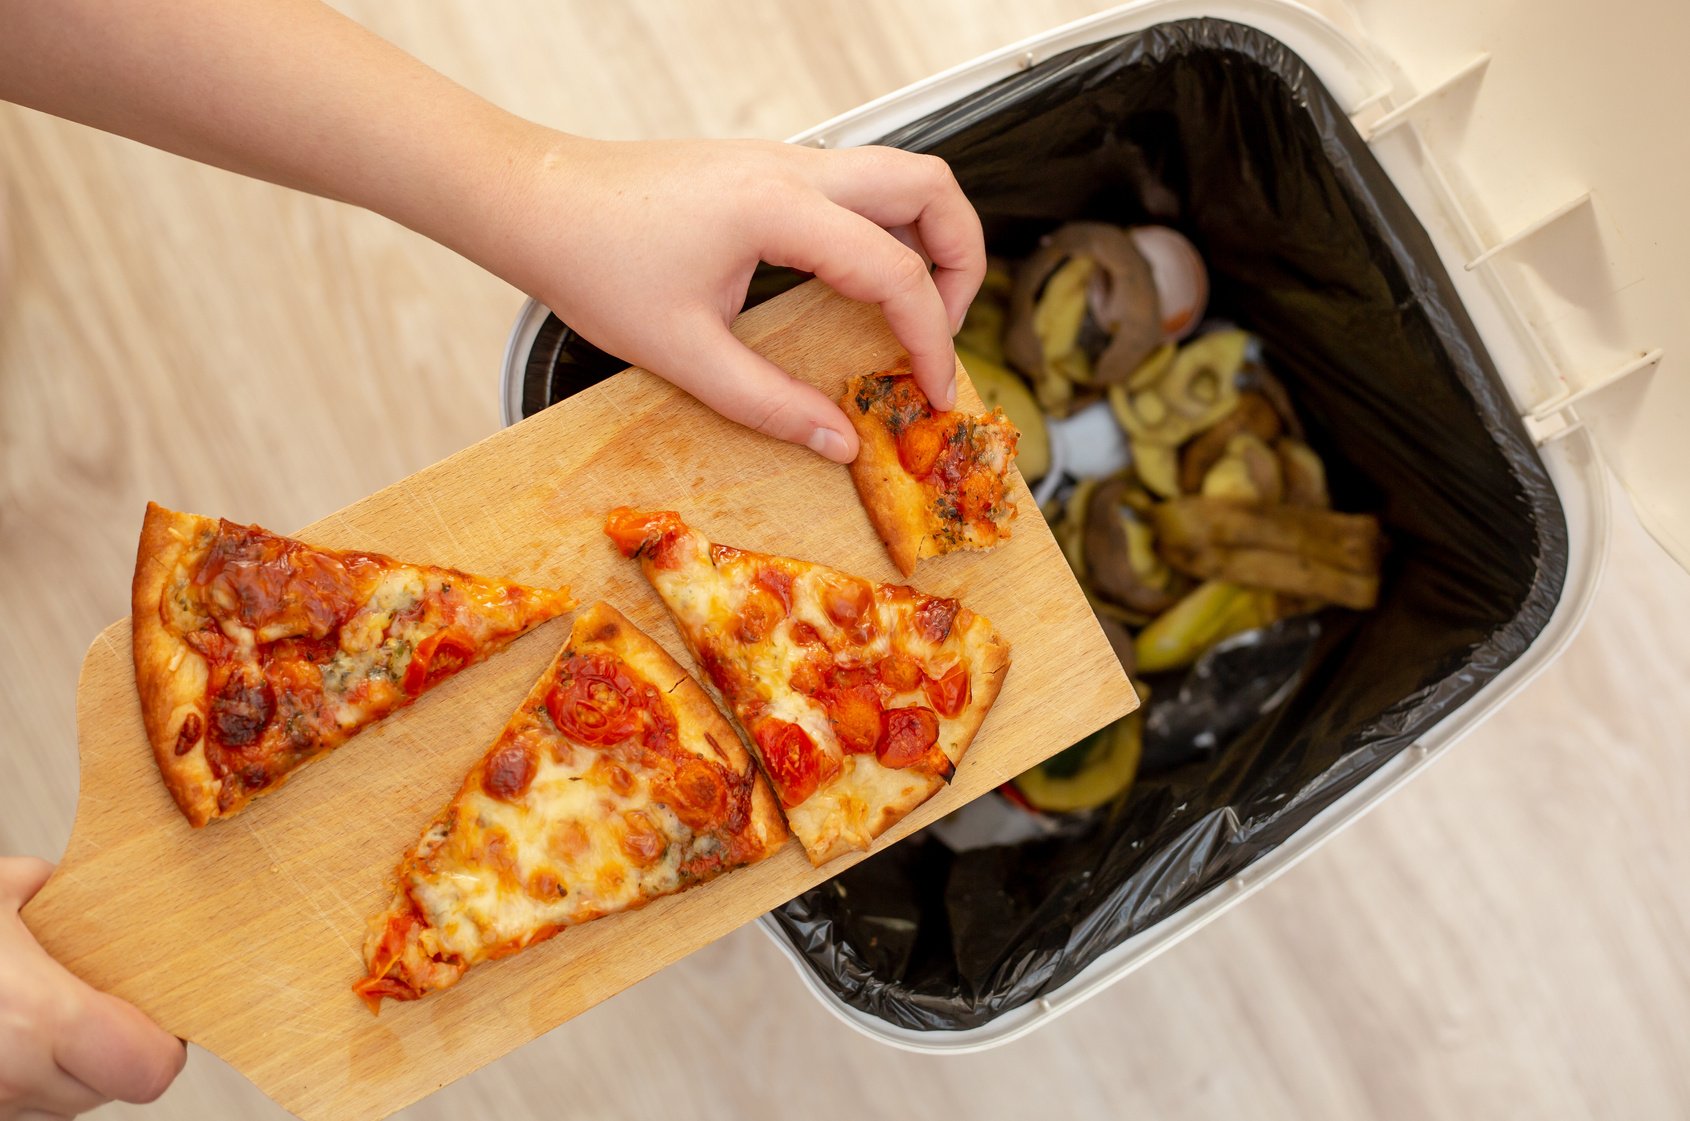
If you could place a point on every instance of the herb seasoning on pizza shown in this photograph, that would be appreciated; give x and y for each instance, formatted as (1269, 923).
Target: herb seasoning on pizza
(255, 653)
(932, 483)
(859, 698)
(617, 781)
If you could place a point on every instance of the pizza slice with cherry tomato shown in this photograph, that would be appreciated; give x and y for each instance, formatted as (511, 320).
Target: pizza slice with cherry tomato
(617, 781)
(859, 698)
(931, 482)
(256, 653)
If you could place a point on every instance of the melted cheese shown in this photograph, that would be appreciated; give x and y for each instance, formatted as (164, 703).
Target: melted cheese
(707, 596)
(848, 812)
(590, 835)
(568, 829)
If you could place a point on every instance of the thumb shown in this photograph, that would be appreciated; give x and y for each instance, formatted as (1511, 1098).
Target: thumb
(20, 878)
(113, 1048)
(743, 386)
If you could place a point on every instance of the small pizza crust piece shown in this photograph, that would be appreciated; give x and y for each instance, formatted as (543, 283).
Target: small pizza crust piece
(896, 504)
(931, 482)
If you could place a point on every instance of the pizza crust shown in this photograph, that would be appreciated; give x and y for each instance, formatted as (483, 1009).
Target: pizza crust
(824, 821)
(169, 674)
(988, 658)
(895, 503)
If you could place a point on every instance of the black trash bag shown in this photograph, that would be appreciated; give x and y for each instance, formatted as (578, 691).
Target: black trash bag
(1222, 132)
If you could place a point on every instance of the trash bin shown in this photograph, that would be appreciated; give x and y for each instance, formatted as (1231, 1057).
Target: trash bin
(1239, 133)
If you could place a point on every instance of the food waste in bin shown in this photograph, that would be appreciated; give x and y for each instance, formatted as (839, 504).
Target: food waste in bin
(1172, 467)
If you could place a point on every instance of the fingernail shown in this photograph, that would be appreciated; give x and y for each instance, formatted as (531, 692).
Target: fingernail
(827, 442)
(950, 394)
(956, 324)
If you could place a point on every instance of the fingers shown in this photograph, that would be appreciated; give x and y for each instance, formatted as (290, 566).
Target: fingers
(20, 878)
(65, 1047)
(115, 1050)
(57, 1094)
(102, 1047)
(893, 189)
(860, 260)
(750, 389)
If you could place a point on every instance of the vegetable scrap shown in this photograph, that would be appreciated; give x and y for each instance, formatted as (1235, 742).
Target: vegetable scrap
(1222, 521)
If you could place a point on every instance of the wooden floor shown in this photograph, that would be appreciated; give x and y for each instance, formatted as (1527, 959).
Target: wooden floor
(1506, 937)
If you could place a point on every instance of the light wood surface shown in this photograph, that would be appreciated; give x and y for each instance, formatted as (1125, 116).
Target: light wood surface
(167, 917)
(1505, 937)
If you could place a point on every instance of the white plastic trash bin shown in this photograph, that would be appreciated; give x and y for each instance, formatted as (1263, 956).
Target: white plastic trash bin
(1554, 213)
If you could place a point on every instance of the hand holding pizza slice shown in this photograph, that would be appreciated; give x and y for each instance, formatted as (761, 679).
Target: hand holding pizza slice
(932, 482)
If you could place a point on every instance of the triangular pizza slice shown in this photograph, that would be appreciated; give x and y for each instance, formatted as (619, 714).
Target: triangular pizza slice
(860, 698)
(616, 782)
(256, 653)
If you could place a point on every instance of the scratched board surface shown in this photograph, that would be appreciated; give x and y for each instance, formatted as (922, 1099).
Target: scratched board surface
(246, 936)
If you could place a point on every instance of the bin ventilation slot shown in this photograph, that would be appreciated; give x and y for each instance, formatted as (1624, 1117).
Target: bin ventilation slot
(1550, 419)
(1407, 109)
(1531, 228)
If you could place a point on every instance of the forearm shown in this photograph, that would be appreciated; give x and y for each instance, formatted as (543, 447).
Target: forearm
(647, 249)
(284, 90)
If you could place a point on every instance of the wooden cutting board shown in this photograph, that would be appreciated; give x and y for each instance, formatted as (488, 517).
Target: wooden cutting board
(246, 936)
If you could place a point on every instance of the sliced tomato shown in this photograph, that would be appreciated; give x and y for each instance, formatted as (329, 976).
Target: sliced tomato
(790, 757)
(594, 700)
(438, 657)
(700, 794)
(849, 603)
(933, 618)
(642, 841)
(807, 677)
(856, 714)
(507, 773)
(656, 534)
(955, 460)
(949, 692)
(899, 672)
(778, 581)
(762, 609)
(920, 445)
(981, 491)
(846, 600)
(910, 732)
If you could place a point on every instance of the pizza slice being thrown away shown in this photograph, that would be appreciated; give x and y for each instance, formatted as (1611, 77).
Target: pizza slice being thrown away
(256, 653)
(617, 781)
(931, 482)
(860, 698)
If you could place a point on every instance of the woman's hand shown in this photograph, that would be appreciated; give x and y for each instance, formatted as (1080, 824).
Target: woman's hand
(66, 1047)
(647, 248)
